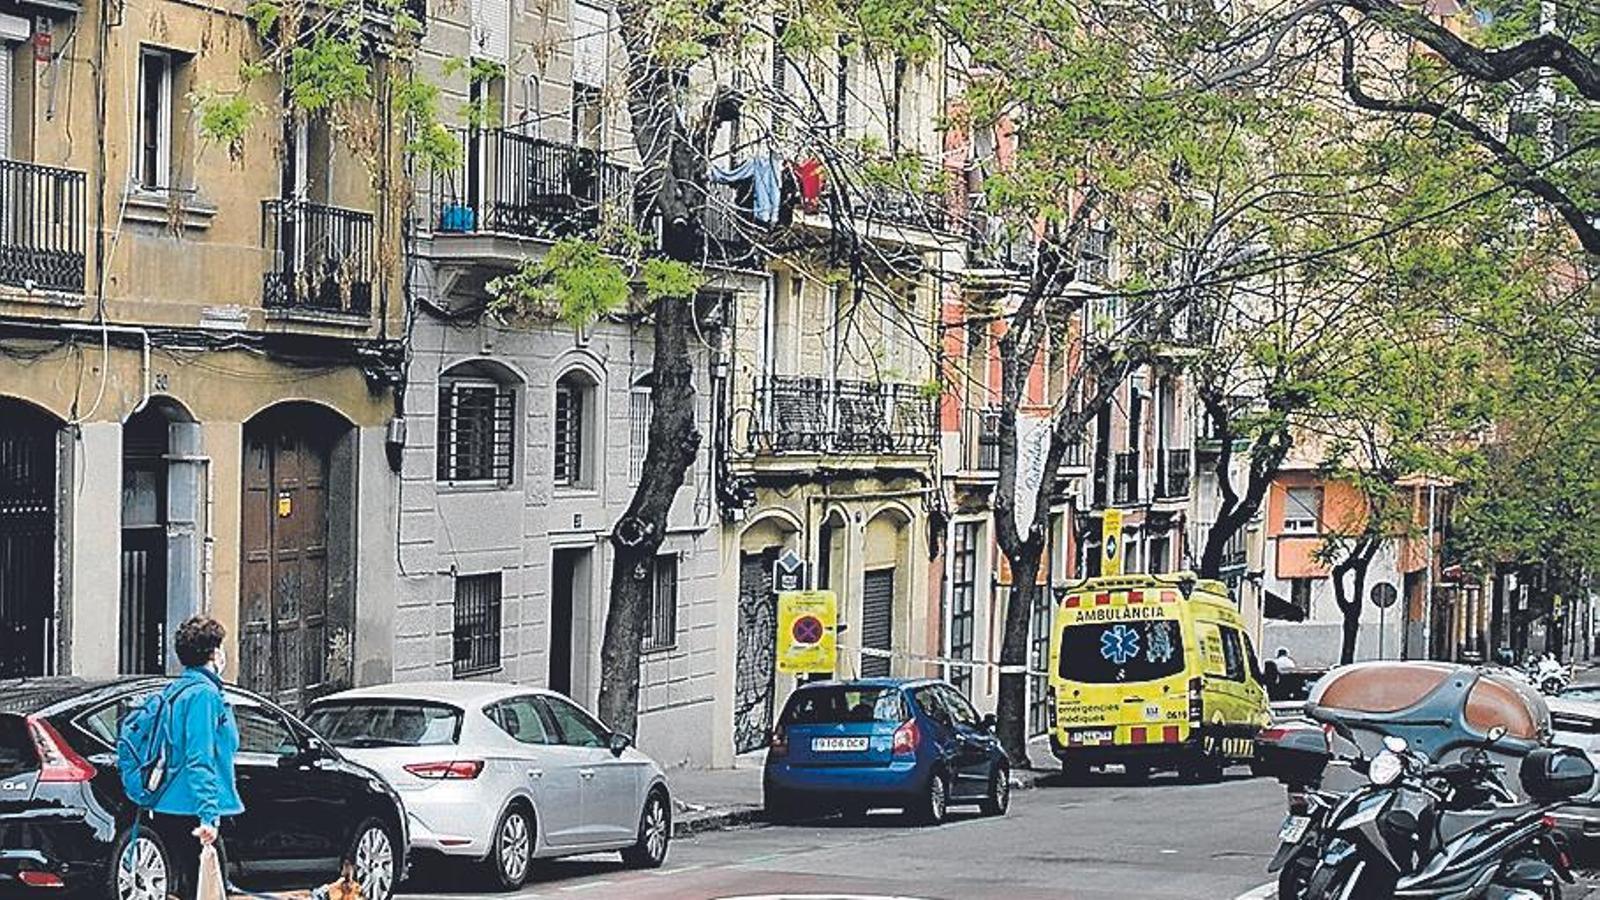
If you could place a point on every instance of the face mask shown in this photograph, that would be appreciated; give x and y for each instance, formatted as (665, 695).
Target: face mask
(219, 661)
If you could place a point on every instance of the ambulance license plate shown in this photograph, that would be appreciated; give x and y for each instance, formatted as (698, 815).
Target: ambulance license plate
(1294, 828)
(838, 744)
(1092, 736)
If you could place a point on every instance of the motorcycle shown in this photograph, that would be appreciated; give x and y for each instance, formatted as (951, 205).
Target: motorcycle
(1550, 675)
(1450, 831)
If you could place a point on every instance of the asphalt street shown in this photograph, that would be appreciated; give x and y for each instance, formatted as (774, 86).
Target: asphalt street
(1109, 839)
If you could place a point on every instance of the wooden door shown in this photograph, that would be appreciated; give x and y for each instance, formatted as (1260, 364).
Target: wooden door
(27, 540)
(283, 615)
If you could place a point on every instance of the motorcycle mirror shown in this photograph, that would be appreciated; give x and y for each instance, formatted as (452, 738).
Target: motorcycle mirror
(1496, 733)
(1395, 744)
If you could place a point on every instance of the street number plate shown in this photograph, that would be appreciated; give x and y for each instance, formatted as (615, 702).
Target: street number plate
(1294, 828)
(838, 744)
(1092, 736)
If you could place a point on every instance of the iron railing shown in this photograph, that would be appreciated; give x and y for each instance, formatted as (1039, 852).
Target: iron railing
(530, 187)
(994, 243)
(42, 227)
(1172, 481)
(1125, 478)
(820, 415)
(322, 257)
(980, 439)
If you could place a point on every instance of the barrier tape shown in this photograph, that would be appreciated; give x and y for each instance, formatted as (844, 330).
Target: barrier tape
(949, 662)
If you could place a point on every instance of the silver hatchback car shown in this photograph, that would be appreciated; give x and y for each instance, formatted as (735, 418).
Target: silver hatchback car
(503, 774)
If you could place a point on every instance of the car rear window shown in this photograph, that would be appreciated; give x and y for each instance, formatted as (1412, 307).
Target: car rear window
(17, 752)
(1110, 652)
(827, 706)
(386, 723)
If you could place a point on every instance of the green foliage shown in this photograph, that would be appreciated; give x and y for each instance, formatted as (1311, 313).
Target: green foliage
(575, 282)
(328, 72)
(669, 278)
(226, 120)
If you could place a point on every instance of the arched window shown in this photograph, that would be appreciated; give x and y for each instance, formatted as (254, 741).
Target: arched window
(573, 465)
(477, 425)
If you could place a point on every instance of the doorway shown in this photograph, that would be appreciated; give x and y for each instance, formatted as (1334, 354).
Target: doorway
(756, 656)
(143, 625)
(569, 568)
(27, 539)
(877, 621)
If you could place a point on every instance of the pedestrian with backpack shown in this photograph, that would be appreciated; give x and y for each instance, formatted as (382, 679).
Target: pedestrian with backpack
(175, 754)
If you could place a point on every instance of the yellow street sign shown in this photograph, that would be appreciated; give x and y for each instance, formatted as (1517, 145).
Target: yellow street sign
(807, 632)
(1111, 542)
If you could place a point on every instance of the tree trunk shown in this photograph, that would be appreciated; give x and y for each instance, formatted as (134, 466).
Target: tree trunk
(1012, 709)
(673, 442)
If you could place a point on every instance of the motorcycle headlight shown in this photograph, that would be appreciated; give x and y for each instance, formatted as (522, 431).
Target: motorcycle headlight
(1385, 768)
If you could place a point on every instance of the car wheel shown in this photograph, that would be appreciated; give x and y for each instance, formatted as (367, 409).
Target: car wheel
(1203, 769)
(930, 808)
(143, 870)
(999, 797)
(655, 834)
(511, 856)
(374, 865)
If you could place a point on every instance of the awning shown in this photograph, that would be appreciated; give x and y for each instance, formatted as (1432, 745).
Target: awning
(1278, 608)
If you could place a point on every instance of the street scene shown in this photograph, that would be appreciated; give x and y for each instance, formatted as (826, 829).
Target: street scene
(799, 448)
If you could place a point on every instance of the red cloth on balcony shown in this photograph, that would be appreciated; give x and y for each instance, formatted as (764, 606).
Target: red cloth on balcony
(810, 174)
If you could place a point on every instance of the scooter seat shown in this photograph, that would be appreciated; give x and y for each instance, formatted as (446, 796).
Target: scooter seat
(1454, 823)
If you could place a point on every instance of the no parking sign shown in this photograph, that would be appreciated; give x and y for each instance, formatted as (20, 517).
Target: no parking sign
(806, 631)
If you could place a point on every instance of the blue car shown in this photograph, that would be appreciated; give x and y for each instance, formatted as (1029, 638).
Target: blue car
(913, 744)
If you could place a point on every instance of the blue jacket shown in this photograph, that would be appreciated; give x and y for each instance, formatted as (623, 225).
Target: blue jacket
(203, 739)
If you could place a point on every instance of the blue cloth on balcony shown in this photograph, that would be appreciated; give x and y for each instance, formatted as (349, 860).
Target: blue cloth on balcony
(763, 175)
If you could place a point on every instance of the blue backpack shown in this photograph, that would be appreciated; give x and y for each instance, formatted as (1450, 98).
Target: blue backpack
(143, 742)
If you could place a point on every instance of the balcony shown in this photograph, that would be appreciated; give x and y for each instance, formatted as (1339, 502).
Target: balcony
(1125, 479)
(42, 227)
(322, 258)
(1174, 468)
(994, 243)
(524, 186)
(818, 415)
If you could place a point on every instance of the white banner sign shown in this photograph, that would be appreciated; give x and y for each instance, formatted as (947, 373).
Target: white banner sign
(1033, 442)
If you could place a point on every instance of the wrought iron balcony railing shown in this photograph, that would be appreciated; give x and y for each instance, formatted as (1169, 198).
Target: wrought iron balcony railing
(980, 439)
(997, 244)
(1175, 470)
(323, 257)
(529, 187)
(820, 415)
(42, 227)
(1125, 478)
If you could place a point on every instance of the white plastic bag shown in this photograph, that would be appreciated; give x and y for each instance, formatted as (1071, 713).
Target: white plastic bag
(209, 884)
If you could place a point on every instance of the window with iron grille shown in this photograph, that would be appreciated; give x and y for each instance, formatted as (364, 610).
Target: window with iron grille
(477, 624)
(1094, 256)
(569, 461)
(963, 600)
(477, 427)
(661, 625)
(638, 431)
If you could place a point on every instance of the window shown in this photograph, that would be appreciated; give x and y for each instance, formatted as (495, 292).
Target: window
(959, 708)
(1110, 652)
(477, 431)
(1094, 255)
(932, 703)
(1302, 510)
(522, 718)
(588, 117)
(570, 432)
(638, 431)
(963, 600)
(361, 724)
(830, 706)
(261, 730)
(154, 162)
(661, 625)
(576, 727)
(1232, 655)
(477, 624)
(1300, 594)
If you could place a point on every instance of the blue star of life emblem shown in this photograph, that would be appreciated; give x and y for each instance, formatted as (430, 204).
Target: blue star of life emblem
(1119, 644)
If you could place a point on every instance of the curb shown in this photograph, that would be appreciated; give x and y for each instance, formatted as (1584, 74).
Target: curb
(700, 821)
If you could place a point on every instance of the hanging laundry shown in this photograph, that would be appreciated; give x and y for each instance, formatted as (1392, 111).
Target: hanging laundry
(763, 177)
(811, 176)
(788, 196)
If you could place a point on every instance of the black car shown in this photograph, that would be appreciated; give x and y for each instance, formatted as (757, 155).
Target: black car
(65, 822)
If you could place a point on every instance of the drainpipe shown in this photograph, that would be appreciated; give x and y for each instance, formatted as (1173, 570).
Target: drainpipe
(1427, 591)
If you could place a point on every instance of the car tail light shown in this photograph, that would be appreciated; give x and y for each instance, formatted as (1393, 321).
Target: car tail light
(1197, 687)
(57, 760)
(35, 878)
(779, 742)
(460, 769)
(1272, 734)
(905, 738)
(1050, 709)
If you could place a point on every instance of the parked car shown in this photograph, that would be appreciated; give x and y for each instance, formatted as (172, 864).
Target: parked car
(916, 745)
(503, 774)
(1576, 723)
(65, 822)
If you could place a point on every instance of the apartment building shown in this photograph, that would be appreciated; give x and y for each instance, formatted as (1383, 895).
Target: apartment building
(198, 354)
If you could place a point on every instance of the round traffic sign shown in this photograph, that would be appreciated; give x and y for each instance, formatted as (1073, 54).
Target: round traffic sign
(807, 630)
(1384, 595)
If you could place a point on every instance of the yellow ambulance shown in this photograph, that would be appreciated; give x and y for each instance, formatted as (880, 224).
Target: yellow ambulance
(1152, 672)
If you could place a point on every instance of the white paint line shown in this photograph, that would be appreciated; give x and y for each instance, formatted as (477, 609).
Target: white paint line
(1265, 892)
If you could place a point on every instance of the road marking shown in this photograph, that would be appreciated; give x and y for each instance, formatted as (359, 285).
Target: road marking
(1264, 892)
(676, 871)
(587, 885)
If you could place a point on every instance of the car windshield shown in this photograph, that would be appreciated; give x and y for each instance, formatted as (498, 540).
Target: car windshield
(386, 723)
(827, 706)
(1108, 652)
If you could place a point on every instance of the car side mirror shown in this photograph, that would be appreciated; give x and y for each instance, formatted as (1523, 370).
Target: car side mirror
(619, 743)
(990, 722)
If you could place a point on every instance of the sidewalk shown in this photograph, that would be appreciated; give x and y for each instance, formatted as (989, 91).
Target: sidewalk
(714, 799)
